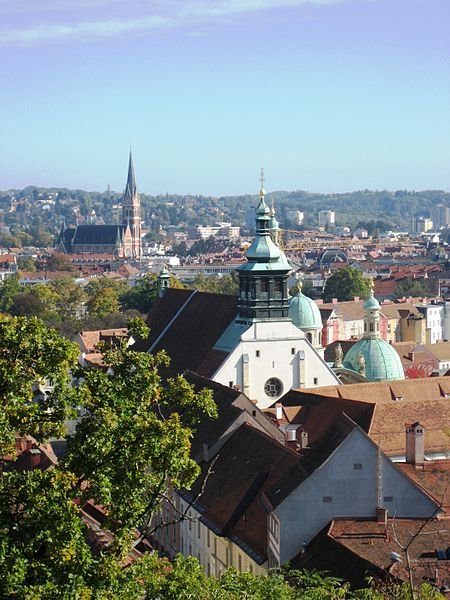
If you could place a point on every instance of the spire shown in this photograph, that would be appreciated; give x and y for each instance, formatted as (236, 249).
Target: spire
(131, 181)
(262, 191)
(263, 278)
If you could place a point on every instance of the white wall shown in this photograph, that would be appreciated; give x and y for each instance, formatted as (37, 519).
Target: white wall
(215, 553)
(353, 493)
(274, 349)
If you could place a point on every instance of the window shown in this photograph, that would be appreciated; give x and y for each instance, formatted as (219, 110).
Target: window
(273, 527)
(198, 529)
(357, 466)
(230, 384)
(273, 387)
(327, 499)
(208, 537)
(258, 353)
(316, 380)
(292, 350)
(240, 563)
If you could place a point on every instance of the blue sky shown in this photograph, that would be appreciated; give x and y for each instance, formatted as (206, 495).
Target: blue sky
(326, 95)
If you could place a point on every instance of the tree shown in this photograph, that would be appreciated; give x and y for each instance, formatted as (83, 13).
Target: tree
(57, 262)
(133, 439)
(226, 284)
(8, 290)
(142, 295)
(414, 287)
(345, 284)
(27, 304)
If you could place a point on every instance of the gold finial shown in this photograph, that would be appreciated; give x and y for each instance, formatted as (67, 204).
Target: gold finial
(261, 180)
(372, 286)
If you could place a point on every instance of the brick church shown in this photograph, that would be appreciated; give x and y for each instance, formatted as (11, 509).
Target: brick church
(121, 240)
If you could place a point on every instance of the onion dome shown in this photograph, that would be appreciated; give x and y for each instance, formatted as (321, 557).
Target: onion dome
(304, 312)
(372, 356)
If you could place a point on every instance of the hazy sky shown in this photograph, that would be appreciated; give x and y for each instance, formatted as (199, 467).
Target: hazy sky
(326, 95)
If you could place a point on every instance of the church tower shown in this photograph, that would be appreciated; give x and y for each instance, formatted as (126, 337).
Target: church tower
(131, 212)
(263, 293)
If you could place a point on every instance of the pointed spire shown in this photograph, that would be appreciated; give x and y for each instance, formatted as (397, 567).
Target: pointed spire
(131, 181)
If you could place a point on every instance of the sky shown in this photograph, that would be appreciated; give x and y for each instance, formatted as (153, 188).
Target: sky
(326, 95)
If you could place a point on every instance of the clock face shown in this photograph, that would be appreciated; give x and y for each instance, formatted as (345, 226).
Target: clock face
(273, 387)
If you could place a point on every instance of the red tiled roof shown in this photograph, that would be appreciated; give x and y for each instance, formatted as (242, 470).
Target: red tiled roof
(390, 405)
(353, 549)
(434, 477)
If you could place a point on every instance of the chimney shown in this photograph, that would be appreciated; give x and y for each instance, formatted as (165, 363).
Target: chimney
(415, 447)
(334, 300)
(355, 298)
(382, 515)
(278, 411)
(302, 438)
(34, 458)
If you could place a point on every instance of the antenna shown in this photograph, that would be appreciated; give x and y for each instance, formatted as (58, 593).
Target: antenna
(379, 478)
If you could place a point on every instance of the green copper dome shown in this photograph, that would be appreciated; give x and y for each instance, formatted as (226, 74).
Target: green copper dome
(371, 303)
(381, 361)
(304, 312)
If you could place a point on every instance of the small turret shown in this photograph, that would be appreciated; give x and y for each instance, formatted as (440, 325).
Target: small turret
(163, 282)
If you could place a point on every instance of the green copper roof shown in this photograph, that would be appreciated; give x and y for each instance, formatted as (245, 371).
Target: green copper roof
(263, 254)
(304, 312)
(371, 304)
(382, 363)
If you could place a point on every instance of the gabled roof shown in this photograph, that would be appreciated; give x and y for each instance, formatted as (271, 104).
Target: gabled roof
(353, 548)
(434, 477)
(231, 404)
(103, 235)
(251, 474)
(231, 502)
(389, 404)
(187, 324)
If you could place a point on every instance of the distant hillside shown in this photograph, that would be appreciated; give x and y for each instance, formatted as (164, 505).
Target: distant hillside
(48, 207)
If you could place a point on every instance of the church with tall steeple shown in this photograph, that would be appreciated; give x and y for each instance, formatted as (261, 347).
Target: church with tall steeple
(122, 240)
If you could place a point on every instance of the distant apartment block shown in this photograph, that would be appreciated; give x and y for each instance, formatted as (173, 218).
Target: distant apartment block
(224, 230)
(295, 217)
(441, 216)
(327, 218)
(421, 225)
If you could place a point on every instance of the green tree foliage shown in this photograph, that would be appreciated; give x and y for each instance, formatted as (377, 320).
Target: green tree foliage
(142, 295)
(226, 284)
(345, 284)
(56, 262)
(8, 290)
(26, 264)
(133, 439)
(104, 296)
(29, 355)
(414, 288)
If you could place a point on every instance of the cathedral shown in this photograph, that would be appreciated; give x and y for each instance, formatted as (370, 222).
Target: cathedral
(120, 240)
